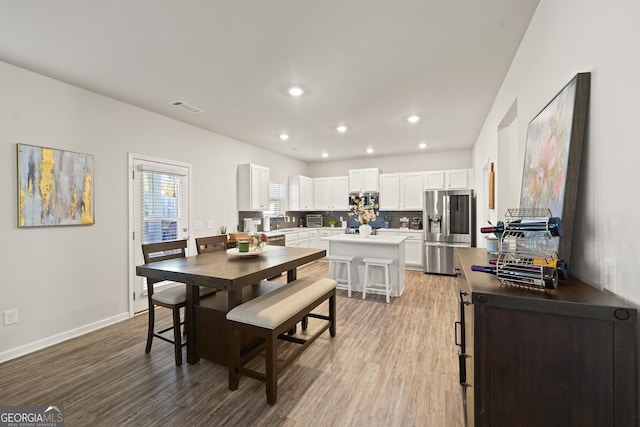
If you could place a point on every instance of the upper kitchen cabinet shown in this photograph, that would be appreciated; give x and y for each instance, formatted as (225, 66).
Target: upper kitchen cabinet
(253, 187)
(448, 180)
(364, 180)
(401, 191)
(332, 193)
(300, 193)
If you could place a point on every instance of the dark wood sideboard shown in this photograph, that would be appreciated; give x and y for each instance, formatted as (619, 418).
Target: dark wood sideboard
(561, 357)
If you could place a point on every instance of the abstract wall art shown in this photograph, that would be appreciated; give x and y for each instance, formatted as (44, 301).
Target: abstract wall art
(553, 154)
(55, 187)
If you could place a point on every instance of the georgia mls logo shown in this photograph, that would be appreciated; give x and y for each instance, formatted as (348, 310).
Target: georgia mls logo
(31, 416)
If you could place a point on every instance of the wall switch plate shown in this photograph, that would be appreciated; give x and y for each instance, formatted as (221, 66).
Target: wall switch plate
(198, 225)
(609, 274)
(210, 224)
(11, 317)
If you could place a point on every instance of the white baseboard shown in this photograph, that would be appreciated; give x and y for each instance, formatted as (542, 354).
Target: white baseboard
(58, 338)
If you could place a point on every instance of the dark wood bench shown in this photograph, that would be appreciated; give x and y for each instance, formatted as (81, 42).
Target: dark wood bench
(269, 317)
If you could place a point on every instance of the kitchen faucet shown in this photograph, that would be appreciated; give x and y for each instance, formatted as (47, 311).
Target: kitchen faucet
(278, 221)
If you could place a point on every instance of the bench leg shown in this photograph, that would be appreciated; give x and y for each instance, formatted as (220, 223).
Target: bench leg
(271, 374)
(233, 359)
(332, 314)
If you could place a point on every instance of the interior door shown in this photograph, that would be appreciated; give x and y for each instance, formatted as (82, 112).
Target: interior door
(159, 212)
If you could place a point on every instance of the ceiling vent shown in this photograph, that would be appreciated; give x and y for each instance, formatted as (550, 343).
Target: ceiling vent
(185, 106)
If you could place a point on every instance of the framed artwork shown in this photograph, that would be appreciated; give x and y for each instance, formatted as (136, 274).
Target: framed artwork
(552, 156)
(55, 187)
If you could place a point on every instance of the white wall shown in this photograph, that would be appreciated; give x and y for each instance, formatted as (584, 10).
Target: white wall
(564, 38)
(68, 280)
(461, 159)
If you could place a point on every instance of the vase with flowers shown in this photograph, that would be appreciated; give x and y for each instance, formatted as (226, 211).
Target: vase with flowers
(258, 241)
(364, 213)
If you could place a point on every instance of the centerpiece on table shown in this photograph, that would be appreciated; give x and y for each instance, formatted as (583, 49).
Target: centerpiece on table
(363, 213)
(258, 242)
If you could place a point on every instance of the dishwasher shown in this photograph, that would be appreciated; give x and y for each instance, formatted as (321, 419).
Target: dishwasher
(277, 240)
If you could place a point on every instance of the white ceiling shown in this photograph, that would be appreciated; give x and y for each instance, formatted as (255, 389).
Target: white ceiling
(364, 63)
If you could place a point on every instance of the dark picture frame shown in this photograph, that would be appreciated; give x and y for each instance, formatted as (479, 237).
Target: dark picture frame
(55, 187)
(553, 154)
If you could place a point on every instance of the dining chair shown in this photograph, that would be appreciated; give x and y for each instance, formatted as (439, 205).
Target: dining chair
(173, 296)
(211, 243)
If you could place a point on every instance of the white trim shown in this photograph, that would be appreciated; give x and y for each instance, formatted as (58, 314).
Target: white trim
(190, 248)
(58, 338)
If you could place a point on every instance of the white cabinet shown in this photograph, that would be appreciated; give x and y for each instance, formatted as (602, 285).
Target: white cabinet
(411, 191)
(331, 193)
(301, 193)
(401, 191)
(413, 247)
(364, 180)
(297, 239)
(413, 250)
(390, 192)
(253, 187)
(448, 180)
(326, 232)
(314, 239)
(457, 179)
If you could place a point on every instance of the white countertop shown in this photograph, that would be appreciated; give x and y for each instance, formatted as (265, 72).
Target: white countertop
(378, 239)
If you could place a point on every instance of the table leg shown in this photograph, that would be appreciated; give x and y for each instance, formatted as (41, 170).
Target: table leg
(292, 275)
(193, 297)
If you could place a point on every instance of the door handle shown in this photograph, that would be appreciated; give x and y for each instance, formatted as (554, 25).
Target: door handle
(456, 332)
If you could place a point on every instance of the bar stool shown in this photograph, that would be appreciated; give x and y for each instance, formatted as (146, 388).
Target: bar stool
(335, 261)
(386, 286)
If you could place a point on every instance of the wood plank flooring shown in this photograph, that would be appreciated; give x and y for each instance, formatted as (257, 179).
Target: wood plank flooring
(389, 365)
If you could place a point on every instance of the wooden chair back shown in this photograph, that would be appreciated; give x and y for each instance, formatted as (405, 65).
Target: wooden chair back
(154, 252)
(211, 243)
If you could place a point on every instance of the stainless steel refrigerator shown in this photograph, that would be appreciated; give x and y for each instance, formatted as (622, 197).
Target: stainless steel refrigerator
(448, 222)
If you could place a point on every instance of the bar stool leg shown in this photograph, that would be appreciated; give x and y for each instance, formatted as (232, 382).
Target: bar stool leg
(348, 265)
(364, 283)
(387, 277)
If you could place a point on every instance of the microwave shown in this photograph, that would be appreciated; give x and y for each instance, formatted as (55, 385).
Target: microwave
(314, 220)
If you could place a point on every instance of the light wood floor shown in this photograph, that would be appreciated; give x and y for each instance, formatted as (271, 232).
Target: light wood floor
(389, 365)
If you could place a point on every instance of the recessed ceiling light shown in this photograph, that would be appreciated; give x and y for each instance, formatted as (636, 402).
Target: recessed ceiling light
(369, 150)
(325, 154)
(422, 145)
(413, 118)
(295, 91)
(284, 136)
(342, 128)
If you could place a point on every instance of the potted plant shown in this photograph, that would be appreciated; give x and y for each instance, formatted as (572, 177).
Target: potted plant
(223, 229)
(332, 222)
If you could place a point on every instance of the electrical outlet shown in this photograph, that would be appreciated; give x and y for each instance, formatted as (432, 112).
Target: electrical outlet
(11, 317)
(609, 274)
(198, 225)
(210, 224)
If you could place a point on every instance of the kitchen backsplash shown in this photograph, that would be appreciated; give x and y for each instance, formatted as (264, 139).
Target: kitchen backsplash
(292, 218)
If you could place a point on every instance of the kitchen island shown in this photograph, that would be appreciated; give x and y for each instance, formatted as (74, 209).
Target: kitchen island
(376, 246)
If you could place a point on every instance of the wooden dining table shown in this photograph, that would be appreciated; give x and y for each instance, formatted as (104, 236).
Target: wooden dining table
(228, 272)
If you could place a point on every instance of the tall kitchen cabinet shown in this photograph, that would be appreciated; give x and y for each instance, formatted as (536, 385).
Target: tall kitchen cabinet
(253, 187)
(561, 357)
(331, 193)
(301, 193)
(401, 191)
(364, 180)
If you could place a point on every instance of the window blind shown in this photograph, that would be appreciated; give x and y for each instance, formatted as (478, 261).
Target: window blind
(163, 206)
(276, 198)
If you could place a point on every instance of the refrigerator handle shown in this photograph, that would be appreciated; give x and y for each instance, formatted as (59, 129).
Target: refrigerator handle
(446, 201)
